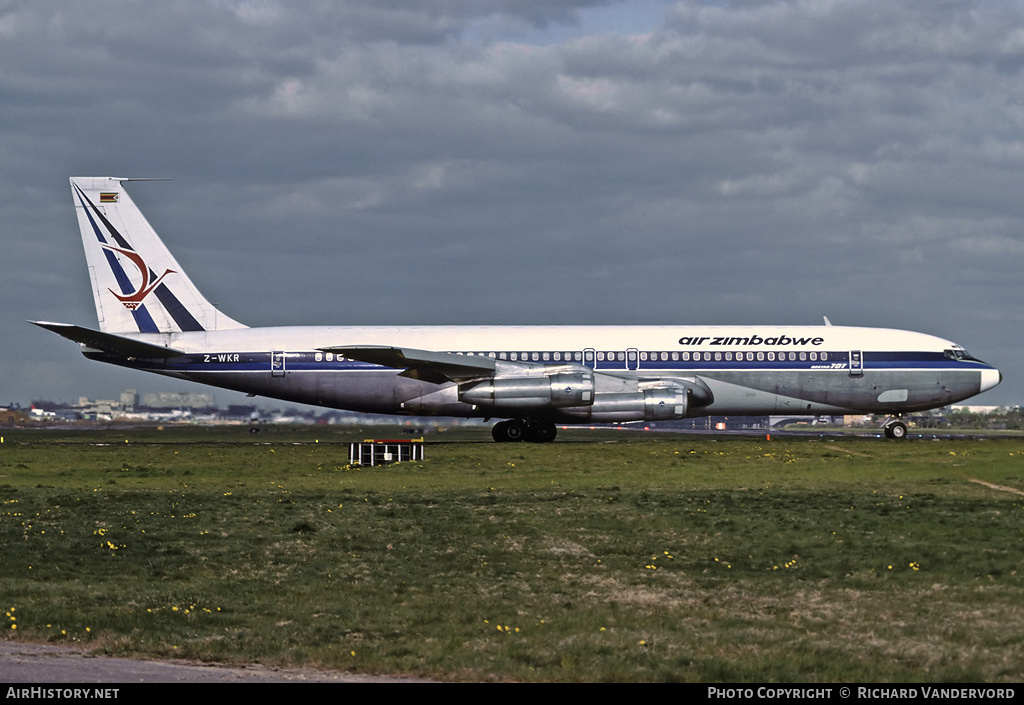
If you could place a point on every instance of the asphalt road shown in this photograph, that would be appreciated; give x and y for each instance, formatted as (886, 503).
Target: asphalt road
(43, 663)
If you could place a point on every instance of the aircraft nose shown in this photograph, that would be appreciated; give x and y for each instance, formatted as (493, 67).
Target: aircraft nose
(990, 377)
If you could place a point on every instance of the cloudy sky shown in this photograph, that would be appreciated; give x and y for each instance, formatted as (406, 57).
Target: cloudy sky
(523, 161)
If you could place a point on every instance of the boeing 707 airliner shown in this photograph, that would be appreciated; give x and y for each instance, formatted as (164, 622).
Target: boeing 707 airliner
(153, 318)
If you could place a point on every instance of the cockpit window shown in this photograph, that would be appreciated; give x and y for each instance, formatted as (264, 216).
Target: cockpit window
(959, 354)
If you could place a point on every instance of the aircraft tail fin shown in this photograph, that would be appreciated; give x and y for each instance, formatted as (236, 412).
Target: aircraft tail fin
(137, 284)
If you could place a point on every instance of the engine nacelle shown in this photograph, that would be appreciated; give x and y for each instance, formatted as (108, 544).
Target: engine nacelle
(512, 393)
(662, 404)
(655, 404)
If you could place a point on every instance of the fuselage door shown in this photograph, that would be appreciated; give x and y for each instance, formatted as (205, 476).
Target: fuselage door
(277, 364)
(632, 359)
(856, 363)
(589, 358)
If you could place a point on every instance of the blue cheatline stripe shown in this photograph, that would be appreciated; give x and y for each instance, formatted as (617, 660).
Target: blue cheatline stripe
(294, 366)
(305, 362)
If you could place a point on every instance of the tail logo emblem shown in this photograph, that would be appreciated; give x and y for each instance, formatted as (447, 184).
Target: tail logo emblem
(133, 300)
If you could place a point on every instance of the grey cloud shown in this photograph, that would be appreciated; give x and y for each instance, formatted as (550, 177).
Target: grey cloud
(374, 162)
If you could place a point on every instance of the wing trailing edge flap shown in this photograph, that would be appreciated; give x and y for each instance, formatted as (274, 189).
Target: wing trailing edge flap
(425, 365)
(108, 342)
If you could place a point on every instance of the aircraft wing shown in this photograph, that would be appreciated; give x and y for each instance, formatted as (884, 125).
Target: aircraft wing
(426, 365)
(108, 342)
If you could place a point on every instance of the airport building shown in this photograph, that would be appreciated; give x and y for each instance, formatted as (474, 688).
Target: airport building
(178, 400)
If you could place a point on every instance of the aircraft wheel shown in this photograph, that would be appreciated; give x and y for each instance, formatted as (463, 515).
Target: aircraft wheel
(507, 431)
(897, 430)
(543, 432)
(514, 430)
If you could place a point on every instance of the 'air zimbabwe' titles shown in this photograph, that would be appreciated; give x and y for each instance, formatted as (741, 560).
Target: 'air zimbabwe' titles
(779, 340)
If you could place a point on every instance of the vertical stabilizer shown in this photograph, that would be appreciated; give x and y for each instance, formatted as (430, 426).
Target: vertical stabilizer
(137, 285)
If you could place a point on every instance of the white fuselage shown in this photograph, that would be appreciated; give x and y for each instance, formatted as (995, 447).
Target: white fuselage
(748, 370)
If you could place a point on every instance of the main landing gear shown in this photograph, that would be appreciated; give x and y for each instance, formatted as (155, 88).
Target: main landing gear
(894, 427)
(530, 430)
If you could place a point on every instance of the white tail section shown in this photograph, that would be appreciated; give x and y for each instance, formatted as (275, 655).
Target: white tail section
(137, 284)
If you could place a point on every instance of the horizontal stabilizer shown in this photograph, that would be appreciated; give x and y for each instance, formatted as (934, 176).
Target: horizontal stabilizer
(108, 342)
(426, 365)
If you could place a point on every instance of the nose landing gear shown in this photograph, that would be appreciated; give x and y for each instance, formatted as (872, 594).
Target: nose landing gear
(894, 427)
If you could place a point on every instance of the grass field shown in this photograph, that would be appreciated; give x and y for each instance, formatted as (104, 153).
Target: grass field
(605, 556)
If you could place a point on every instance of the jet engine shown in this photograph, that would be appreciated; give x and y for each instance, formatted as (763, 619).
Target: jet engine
(653, 404)
(514, 393)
